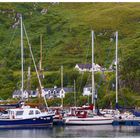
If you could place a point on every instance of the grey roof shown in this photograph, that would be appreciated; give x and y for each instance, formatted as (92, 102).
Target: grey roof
(46, 89)
(55, 92)
(58, 89)
(18, 92)
(85, 66)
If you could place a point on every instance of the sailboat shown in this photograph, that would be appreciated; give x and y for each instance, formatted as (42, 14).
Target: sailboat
(25, 116)
(88, 116)
(126, 118)
(59, 111)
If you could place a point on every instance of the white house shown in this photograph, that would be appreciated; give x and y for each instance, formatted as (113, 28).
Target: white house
(57, 92)
(47, 92)
(62, 93)
(87, 90)
(18, 94)
(88, 67)
(26, 94)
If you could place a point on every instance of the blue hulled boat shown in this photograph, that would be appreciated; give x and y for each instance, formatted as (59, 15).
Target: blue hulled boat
(25, 117)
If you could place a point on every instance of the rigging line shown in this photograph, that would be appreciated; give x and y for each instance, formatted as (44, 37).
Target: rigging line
(34, 64)
(88, 79)
(12, 38)
(87, 50)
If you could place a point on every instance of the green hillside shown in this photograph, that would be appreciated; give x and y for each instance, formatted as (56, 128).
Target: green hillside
(66, 30)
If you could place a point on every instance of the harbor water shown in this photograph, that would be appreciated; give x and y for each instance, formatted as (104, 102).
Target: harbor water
(73, 131)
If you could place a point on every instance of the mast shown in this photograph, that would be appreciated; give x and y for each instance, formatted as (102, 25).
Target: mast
(116, 70)
(40, 52)
(35, 65)
(62, 85)
(22, 66)
(93, 84)
(74, 93)
(40, 70)
(29, 79)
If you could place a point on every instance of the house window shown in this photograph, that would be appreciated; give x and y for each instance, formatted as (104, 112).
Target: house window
(31, 112)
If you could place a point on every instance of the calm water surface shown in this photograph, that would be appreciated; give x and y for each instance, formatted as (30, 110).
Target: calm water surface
(73, 131)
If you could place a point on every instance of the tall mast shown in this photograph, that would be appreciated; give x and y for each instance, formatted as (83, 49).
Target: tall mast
(93, 84)
(29, 78)
(62, 84)
(34, 65)
(40, 52)
(74, 93)
(116, 69)
(40, 69)
(22, 66)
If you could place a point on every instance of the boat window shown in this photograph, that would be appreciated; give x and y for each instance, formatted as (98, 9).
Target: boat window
(19, 113)
(31, 112)
(37, 112)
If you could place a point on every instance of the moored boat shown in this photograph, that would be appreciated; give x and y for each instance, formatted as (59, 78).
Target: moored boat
(25, 117)
(85, 117)
(88, 121)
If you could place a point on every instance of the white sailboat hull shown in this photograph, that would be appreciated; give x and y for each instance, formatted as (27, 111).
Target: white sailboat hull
(88, 121)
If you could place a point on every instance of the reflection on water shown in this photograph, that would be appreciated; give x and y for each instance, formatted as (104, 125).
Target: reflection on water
(73, 131)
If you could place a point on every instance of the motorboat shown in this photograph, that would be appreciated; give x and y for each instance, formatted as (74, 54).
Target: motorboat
(25, 117)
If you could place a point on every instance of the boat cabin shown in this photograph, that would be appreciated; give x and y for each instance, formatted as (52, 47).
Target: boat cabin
(24, 113)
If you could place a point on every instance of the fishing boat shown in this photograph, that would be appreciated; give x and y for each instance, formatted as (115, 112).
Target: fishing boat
(25, 117)
(88, 116)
